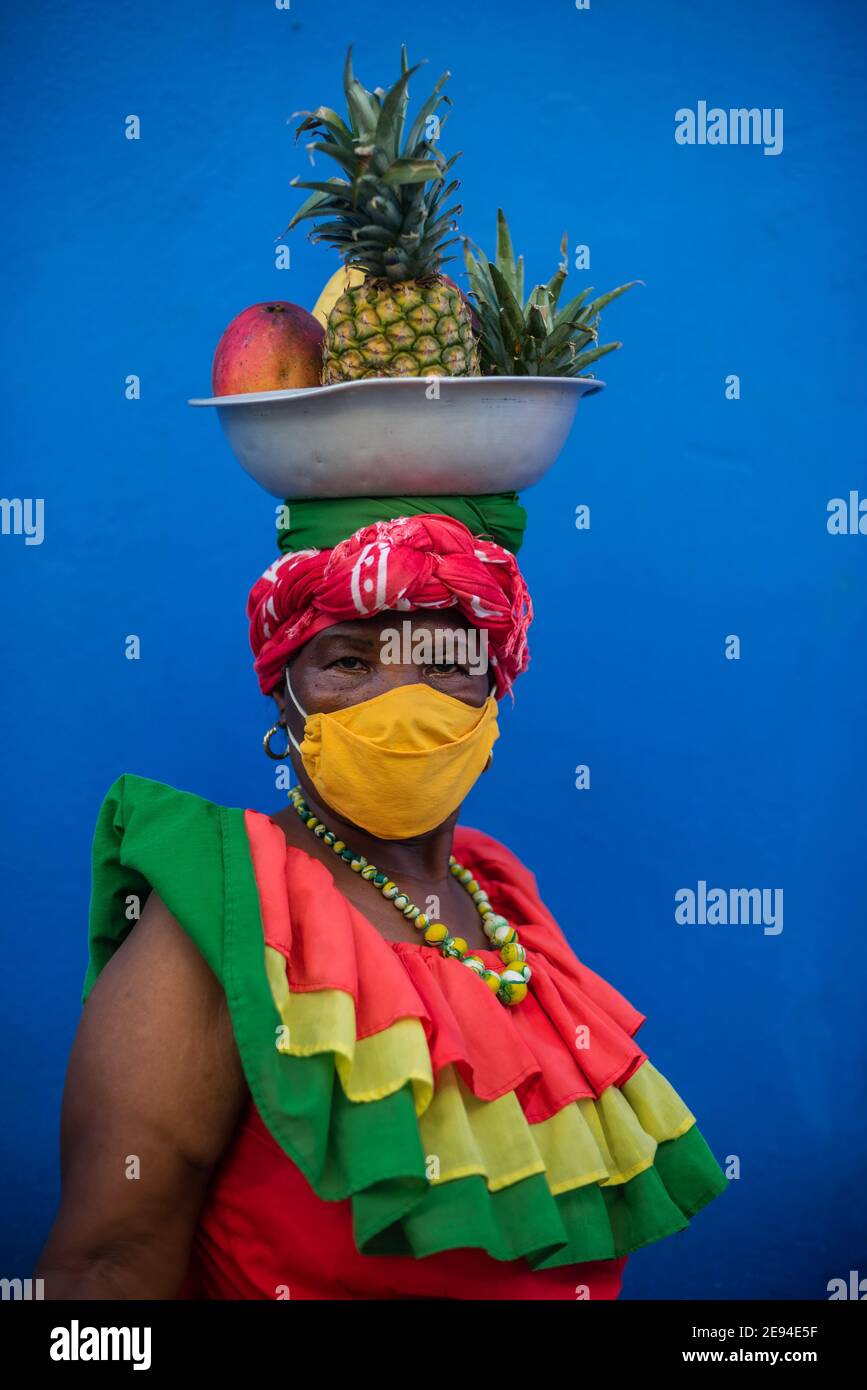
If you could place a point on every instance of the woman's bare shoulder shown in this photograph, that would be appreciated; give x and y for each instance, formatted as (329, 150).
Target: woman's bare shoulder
(156, 1036)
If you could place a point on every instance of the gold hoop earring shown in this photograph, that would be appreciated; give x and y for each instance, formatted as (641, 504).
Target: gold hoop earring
(266, 742)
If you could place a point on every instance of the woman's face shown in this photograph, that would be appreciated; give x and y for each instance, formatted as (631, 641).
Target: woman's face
(358, 660)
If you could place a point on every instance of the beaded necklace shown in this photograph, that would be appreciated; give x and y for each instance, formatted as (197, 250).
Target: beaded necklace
(509, 985)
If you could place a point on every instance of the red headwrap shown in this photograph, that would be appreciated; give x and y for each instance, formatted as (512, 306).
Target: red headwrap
(406, 563)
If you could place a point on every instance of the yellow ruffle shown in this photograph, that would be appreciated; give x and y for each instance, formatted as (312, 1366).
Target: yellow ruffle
(323, 1020)
(608, 1140)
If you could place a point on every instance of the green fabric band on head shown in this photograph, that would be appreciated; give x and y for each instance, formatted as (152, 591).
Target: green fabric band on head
(319, 523)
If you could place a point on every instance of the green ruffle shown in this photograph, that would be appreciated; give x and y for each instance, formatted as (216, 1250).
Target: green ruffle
(588, 1223)
(196, 855)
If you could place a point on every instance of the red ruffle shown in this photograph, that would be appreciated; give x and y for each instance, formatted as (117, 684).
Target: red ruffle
(531, 1049)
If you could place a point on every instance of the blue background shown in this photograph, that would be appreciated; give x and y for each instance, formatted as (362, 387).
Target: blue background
(708, 518)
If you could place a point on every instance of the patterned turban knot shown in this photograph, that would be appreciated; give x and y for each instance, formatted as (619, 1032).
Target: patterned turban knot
(405, 563)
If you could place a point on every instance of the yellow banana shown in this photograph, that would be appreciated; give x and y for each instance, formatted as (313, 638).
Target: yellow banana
(343, 279)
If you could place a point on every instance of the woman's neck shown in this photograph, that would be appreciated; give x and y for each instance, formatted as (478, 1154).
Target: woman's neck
(421, 858)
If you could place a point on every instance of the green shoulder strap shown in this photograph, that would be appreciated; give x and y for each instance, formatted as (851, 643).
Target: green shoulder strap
(196, 855)
(177, 849)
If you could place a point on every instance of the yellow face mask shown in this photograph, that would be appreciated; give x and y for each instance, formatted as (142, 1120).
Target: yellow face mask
(400, 763)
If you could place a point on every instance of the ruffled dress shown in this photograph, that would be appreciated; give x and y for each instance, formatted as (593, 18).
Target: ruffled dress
(406, 1135)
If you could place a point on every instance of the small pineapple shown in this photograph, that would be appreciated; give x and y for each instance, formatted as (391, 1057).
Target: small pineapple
(533, 338)
(387, 219)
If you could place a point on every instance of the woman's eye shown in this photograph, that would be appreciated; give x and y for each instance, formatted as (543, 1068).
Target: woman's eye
(449, 668)
(342, 663)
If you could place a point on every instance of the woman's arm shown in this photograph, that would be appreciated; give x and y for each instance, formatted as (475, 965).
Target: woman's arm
(154, 1091)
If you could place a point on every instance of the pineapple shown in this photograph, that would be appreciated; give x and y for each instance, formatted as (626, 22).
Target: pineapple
(387, 219)
(533, 338)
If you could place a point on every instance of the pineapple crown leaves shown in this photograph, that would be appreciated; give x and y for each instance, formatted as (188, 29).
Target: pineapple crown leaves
(533, 337)
(386, 210)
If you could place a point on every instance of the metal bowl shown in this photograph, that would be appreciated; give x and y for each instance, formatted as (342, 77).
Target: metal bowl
(403, 435)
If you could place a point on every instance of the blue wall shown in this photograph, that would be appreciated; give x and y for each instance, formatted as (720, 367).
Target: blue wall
(708, 518)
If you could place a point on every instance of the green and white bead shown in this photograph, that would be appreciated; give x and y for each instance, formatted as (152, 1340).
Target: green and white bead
(476, 964)
(514, 951)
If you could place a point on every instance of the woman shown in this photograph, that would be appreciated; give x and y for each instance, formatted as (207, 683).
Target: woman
(347, 1052)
